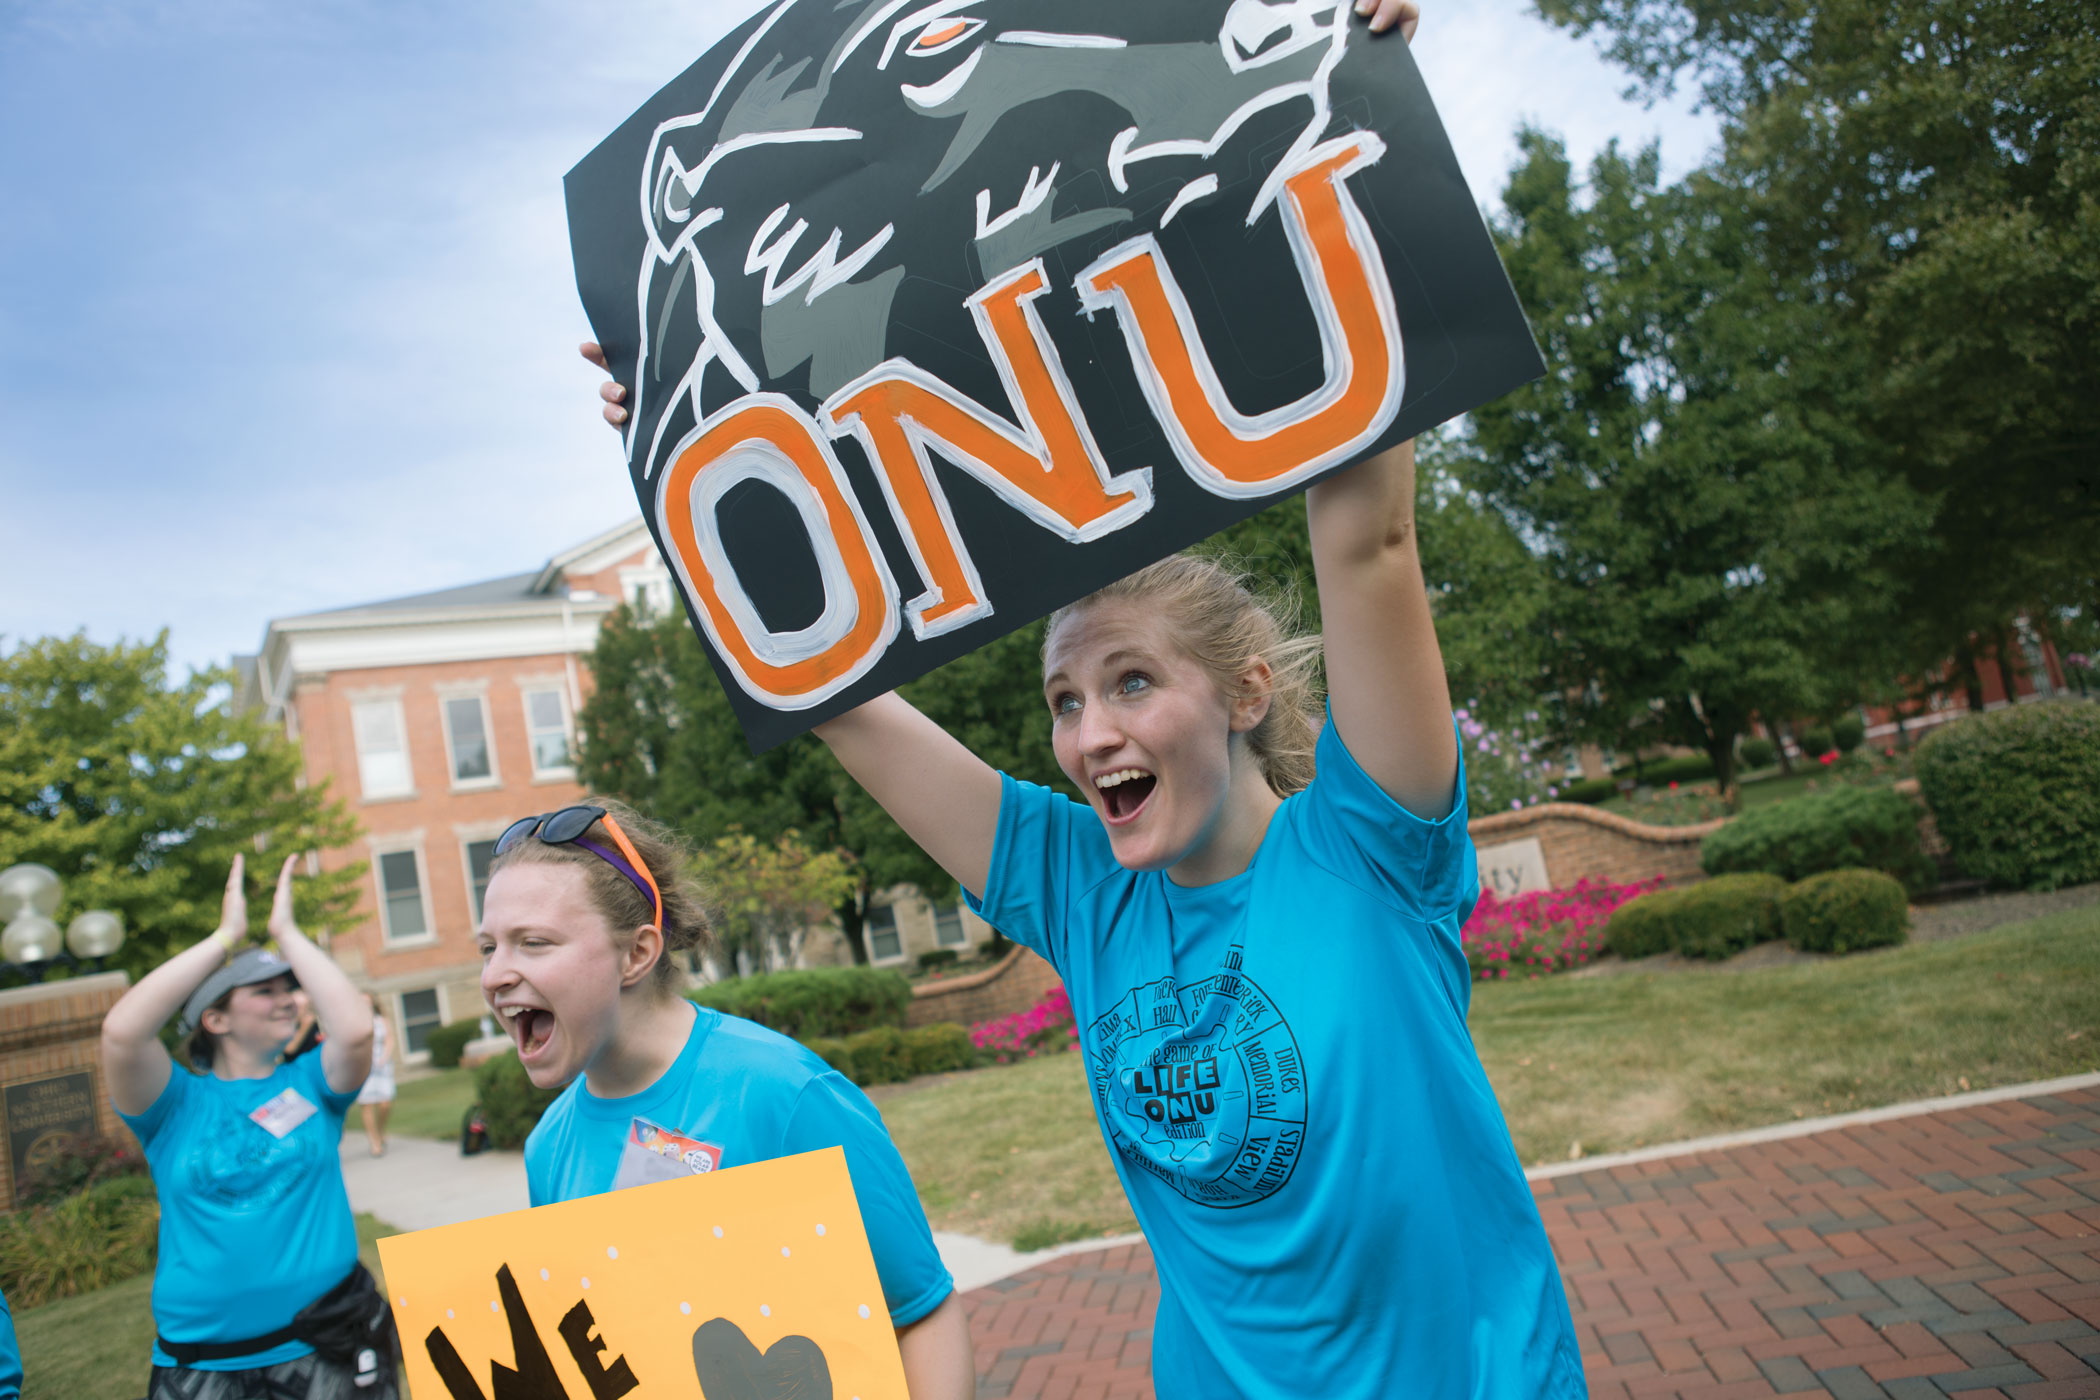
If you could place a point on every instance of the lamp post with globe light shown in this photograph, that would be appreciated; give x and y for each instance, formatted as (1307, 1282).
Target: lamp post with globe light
(31, 944)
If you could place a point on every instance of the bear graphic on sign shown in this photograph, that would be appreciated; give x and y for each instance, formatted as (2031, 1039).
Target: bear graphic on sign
(741, 291)
(815, 273)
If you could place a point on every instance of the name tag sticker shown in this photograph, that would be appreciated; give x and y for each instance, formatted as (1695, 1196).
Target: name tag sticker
(283, 1113)
(652, 1153)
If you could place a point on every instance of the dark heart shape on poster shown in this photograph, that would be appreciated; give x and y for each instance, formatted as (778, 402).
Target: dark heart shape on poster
(729, 1367)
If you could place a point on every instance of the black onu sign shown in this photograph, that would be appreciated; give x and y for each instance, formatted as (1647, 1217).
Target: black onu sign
(934, 317)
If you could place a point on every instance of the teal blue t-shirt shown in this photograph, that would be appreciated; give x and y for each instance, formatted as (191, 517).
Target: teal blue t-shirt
(10, 1355)
(739, 1093)
(253, 1225)
(1281, 1067)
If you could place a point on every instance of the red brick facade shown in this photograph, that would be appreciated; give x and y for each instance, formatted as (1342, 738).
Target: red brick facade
(50, 1033)
(506, 659)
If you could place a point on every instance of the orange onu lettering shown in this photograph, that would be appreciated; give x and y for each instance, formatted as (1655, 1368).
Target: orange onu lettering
(1047, 466)
(764, 437)
(1239, 455)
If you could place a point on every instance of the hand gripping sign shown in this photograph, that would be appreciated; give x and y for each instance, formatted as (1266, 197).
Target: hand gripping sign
(936, 316)
(732, 1285)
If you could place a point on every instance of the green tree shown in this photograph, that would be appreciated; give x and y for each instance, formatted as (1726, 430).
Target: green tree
(764, 894)
(658, 732)
(1490, 594)
(1709, 544)
(1486, 587)
(140, 791)
(1929, 171)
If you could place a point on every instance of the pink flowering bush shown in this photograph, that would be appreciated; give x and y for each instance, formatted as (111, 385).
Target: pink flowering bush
(1044, 1028)
(1531, 935)
(1508, 767)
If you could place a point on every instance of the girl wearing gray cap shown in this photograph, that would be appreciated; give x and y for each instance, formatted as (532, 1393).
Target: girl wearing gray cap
(258, 1291)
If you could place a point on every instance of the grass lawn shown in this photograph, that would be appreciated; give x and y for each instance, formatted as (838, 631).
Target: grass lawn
(1009, 1153)
(99, 1346)
(1012, 1153)
(1620, 1062)
(1694, 800)
(429, 1107)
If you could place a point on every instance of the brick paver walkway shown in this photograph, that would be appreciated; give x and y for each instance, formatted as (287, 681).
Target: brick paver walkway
(1949, 1254)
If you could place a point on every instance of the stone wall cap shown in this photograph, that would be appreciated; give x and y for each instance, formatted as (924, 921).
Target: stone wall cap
(973, 979)
(1516, 821)
(99, 982)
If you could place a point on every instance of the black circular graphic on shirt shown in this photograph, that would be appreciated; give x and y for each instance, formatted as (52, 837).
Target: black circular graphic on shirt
(1202, 1087)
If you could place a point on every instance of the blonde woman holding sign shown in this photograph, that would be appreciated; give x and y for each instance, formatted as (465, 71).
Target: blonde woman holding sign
(1256, 912)
(258, 1288)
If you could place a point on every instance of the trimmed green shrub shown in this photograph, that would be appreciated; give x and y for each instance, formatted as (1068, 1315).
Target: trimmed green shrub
(887, 1055)
(1757, 753)
(1589, 790)
(1640, 928)
(1873, 828)
(1843, 911)
(939, 957)
(1817, 740)
(1718, 918)
(104, 1235)
(1713, 919)
(511, 1104)
(1659, 771)
(2016, 793)
(447, 1041)
(813, 1003)
(1848, 732)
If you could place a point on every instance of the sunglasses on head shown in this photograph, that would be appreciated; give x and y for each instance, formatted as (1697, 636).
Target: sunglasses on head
(566, 828)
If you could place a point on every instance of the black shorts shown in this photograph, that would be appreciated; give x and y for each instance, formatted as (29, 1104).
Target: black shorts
(302, 1378)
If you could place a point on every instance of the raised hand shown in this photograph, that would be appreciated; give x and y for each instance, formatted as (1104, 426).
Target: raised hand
(613, 393)
(281, 920)
(233, 910)
(1384, 14)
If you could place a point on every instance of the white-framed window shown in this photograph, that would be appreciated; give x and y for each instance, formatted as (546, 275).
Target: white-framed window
(948, 926)
(382, 748)
(404, 900)
(479, 855)
(647, 591)
(469, 747)
(884, 942)
(422, 1011)
(547, 731)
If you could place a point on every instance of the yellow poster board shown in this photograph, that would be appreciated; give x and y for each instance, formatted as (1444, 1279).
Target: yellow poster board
(731, 1285)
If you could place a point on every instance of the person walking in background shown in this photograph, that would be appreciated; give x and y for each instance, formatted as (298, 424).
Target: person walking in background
(257, 1290)
(376, 1100)
(308, 1036)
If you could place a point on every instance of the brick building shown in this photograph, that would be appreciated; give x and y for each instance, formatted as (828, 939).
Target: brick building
(439, 718)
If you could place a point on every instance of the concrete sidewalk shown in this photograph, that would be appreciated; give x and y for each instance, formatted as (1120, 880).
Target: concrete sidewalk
(420, 1184)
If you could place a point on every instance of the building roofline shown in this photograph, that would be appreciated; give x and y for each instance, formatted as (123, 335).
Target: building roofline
(351, 619)
(555, 567)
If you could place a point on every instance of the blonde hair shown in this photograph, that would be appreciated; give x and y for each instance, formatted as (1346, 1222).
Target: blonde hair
(685, 924)
(1216, 616)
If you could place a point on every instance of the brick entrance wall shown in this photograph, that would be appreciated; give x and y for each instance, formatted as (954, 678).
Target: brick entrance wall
(47, 1031)
(1016, 982)
(1581, 841)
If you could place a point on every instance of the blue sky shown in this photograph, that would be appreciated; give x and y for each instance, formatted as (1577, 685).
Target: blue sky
(286, 312)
